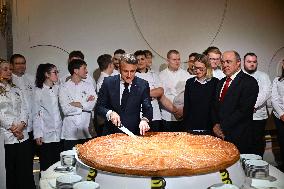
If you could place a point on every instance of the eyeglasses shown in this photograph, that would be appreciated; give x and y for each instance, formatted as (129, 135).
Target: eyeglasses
(199, 68)
(214, 59)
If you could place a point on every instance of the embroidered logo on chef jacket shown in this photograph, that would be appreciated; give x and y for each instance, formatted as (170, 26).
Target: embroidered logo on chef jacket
(92, 175)
(225, 176)
(158, 183)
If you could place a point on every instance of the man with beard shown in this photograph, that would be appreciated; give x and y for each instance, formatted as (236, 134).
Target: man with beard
(260, 111)
(115, 60)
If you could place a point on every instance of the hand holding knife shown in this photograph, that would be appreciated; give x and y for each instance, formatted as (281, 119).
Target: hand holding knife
(115, 119)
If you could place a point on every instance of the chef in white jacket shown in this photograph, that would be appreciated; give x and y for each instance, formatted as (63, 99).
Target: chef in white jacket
(25, 82)
(77, 99)
(13, 126)
(47, 122)
(77, 55)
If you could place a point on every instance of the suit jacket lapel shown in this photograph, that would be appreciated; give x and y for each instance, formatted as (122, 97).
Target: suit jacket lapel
(234, 84)
(116, 94)
(219, 87)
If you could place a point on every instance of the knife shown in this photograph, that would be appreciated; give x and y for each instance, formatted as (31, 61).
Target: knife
(126, 131)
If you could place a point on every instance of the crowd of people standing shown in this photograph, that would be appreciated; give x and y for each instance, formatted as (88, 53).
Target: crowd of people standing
(214, 96)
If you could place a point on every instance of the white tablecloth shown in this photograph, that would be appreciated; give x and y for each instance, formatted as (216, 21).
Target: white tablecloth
(48, 179)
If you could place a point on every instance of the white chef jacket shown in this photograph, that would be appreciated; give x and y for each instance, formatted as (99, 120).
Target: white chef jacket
(277, 97)
(218, 73)
(154, 82)
(13, 110)
(101, 80)
(47, 122)
(27, 84)
(173, 84)
(76, 120)
(264, 94)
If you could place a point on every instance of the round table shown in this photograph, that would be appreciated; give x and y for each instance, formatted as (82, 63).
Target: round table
(48, 180)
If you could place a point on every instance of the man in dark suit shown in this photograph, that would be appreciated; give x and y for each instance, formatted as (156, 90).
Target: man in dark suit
(234, 103)
(122, 97)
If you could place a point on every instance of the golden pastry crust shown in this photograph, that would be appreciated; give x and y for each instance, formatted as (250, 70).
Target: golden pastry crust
(158, 154)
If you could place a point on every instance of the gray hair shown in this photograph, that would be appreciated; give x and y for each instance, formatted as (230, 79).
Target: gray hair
(128, 58)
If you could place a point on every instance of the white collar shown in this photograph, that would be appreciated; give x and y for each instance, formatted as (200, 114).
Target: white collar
(204, 81)
(235, 74)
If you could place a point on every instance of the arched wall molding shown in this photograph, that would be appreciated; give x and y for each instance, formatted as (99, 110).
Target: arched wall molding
(138, 27)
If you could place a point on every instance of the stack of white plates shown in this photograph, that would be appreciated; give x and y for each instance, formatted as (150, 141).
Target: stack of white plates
(245, 157)
(256, 169)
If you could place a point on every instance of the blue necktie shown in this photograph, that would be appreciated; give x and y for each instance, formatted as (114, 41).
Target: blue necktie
(125, 96)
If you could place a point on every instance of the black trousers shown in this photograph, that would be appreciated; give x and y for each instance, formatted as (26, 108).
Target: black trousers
(280, 136)
(69, 144)
(49, 154)
(172, 126)
(19, 172)
(257, 139)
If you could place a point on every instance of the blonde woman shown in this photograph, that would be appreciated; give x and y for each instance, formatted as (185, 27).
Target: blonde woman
(13, 125)
(198, 97)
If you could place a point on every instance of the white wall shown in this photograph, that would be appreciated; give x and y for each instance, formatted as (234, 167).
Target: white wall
(3, 47)
(101, 26)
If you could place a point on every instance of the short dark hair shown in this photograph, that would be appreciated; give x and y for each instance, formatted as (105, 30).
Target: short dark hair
(211, 49)
(128, 58)
(40, 73)
(172, 52)
(75, 64)
(119, 51)
(147, 52)
(77, 54)
(194, 54)
(139, 52)
(250, 54)
(103, 61)
(14, 56)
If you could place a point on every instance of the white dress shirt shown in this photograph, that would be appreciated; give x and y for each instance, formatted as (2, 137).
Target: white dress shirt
(277, 97)
(101, 80)
(218, 74)
(264, 93)
(13, 109)
(232, 78)
(154, 82)
(27, 84)
(76, 120)
(173, 84)
(47, 121)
